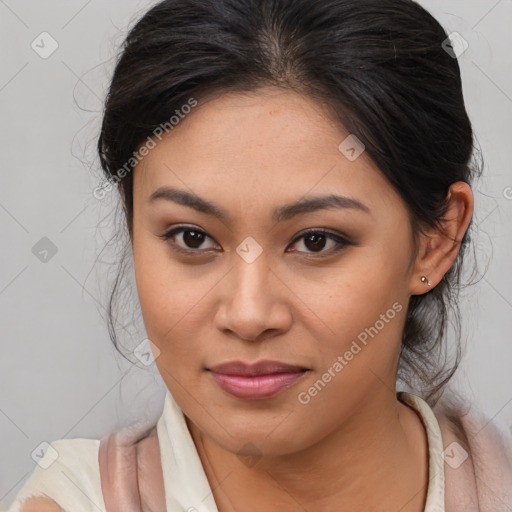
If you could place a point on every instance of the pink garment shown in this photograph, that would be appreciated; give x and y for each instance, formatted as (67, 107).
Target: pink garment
(132, 479)
(131, 472)
(483, 483)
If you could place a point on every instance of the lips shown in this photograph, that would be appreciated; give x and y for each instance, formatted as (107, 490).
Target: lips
(261, 380)
(261, 368)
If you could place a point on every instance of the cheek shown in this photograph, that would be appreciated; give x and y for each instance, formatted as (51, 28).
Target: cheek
(173, 322)
(364, 310)
(362, 306)
(358, 291)
(165, 293)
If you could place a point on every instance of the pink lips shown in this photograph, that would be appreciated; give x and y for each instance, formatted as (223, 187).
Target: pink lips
(255, 381)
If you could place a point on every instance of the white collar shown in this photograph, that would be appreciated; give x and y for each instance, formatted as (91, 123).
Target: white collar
(435, 493)
(186, 486)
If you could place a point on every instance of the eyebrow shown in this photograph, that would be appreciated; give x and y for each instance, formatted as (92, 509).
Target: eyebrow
(286, 212)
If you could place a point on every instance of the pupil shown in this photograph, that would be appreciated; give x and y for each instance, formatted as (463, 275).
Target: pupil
(196, 238)
(314, 238)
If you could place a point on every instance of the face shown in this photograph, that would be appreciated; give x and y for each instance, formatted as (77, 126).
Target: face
(322, 288)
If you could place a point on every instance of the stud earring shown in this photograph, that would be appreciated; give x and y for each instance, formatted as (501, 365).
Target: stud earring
(425, 280)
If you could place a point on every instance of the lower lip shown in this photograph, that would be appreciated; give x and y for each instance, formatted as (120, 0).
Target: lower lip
(256, 387)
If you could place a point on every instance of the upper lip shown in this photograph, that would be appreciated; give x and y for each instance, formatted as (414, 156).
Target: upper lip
(259, 368)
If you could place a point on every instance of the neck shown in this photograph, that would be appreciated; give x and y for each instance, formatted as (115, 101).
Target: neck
(378, 460)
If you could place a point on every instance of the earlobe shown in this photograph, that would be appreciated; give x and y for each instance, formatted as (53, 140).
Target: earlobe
(440, 246)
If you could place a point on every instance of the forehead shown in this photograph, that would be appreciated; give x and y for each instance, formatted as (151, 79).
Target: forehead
(262, 147)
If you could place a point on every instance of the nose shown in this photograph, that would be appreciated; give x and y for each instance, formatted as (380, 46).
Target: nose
(254, 304)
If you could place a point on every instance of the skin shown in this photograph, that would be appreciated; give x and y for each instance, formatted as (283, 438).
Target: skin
(40, 505)
(354, 443)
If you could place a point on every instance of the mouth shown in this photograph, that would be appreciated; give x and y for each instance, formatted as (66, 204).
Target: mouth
(258, 381)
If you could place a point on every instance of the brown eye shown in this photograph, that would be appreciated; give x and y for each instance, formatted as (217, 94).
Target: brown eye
(316, 240)
(191, 240)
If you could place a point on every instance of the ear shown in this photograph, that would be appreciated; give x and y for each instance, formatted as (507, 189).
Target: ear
(438, 248)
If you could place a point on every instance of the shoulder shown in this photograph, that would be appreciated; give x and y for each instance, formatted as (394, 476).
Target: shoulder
(66, 475)
(40, 505)
(477, 453)
(476, 430)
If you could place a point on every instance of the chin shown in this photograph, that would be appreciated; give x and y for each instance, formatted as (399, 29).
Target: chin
(266, 438)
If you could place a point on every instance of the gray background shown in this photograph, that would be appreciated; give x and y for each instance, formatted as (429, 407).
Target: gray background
(59, 374)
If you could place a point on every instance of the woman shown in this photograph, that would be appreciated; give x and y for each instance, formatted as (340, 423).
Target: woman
(295, 178)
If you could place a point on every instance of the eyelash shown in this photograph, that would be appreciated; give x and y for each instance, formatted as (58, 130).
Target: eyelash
(340, 240)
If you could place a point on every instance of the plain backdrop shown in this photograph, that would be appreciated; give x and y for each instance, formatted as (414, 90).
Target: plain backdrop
(59, 374)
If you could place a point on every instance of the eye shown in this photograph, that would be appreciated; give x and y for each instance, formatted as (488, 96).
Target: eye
(191, 239)
(315, 240)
